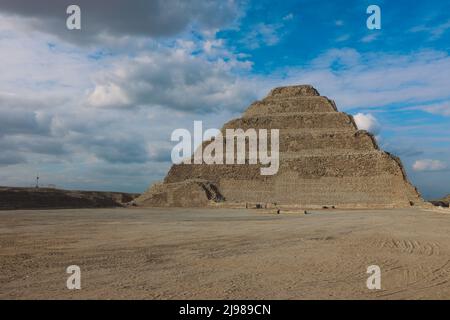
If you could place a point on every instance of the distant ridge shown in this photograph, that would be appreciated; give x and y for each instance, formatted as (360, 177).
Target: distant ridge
(13, 198)
(444, 202)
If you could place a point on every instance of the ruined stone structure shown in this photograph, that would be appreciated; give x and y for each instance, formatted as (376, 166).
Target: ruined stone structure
(324, 161)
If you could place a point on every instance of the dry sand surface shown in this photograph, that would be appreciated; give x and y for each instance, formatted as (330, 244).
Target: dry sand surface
(224, 254)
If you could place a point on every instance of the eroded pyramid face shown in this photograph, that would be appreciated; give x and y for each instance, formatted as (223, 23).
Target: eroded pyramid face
(324, 160)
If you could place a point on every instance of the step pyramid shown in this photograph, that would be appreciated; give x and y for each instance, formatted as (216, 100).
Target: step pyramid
(325, 161)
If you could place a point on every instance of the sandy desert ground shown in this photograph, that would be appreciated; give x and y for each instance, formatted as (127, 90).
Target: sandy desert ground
(224, 254)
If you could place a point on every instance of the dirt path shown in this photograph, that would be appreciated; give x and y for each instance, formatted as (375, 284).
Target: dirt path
(224, 254)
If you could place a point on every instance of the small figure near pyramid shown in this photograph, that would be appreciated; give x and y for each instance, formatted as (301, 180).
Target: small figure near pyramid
(324, 160)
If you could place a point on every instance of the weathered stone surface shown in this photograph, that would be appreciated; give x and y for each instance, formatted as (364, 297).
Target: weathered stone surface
(299, 120)
(324, 161)
(286, 105)
(293, 91)
(186, 193)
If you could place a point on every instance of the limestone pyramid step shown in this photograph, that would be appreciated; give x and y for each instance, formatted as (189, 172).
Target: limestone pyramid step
(287, 105)
(351, 164)
(294, 120)
(318, 131)
(303, 140)
(294, 91)
(310, 166)
(303, 155)
(348, 140)
(284, 155)
(292, 190)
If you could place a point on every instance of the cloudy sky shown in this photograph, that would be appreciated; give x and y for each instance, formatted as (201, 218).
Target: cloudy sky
(94, 108)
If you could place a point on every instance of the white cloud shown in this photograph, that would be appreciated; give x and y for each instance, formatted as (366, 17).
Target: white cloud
(440, 108)
(429, 165)
(367, 122)
(346, 58)
(54, 99)
(343, 38)
(370, 37)
(212, 46)
(435, 32)
(174, 79)
(263, 34)
(373, 80)
(108, 95)
(288, 17)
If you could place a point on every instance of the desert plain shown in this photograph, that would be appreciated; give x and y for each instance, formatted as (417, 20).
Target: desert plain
(151, 253)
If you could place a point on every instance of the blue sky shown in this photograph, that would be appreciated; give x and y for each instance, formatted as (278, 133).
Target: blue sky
(313, 27)
(94, 109)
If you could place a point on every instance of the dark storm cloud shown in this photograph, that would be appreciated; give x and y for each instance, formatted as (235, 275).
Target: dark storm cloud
(10, 158)
(115, 150)
(154, 18)
(33, 144)
(160, 153)
(13, 121)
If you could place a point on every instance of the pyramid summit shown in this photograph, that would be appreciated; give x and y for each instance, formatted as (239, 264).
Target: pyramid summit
(324, 160)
